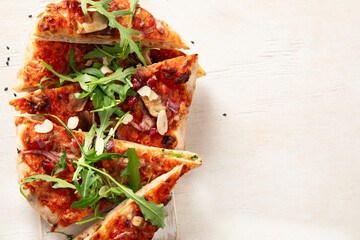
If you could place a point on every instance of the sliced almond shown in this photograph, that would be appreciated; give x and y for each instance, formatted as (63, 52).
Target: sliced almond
(137, 221)
(144, 91)
(45, 127)
(99, 146)
(105, 70)
(105, 61)
(162, 122)
(103, 190)
(151, 100)
(111, 132)
(153, 96)
(128, 118)
(73, 122)
(98, 23)
(89, 63)
(91, 9)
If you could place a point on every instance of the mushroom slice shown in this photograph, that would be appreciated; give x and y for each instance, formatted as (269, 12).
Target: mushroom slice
(151, 100)
(98, 22)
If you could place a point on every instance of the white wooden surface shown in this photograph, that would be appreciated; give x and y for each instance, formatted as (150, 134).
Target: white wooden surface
(285, 161)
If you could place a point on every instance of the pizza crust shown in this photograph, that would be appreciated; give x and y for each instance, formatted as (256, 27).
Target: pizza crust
(191, 86)
(22, 170)
(19, 85)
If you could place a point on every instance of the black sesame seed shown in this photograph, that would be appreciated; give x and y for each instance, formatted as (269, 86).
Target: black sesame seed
(192, 42)
(7, 63)
(7, 47)
(15, 95)
(30, 16)
(8, 58)
(224, 114)
(5, 89)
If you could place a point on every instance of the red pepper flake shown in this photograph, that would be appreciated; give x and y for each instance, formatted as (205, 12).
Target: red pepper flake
(75, 143)
(136, 84)
(132, 101)
(48, 166)
(151, 82)
(152, 131)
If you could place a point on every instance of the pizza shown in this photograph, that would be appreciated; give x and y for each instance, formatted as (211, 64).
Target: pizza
(66, 22)
(126, 220)
(57, 55)
(172, 80)
(109, 93)
(38, 153)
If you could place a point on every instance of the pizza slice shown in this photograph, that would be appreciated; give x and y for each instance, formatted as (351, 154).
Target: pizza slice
(57, 54)
(126, 221)
(44, 148)
(65, 21)
(166, 87)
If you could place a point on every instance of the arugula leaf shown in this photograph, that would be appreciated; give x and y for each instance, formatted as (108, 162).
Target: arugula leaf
(132, 170)
(87, 190)
(88, 178)
(62, 77)
(62, 164)
(126, 40)
(133, 5)
(96, 217)
(104, 124)
(94, 72)
(194, 157)
(97, 65)
(43, 79)
(115, 52)
(178, 155)
(149, 178)
(72, 61)
(59, 183)
(118, 75)
(151, 211)
(93, 158)
(89, 137)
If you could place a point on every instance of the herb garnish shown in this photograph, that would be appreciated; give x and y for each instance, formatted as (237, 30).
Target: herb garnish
(101, 90)
(62, 164)
(178, 155)
(126, 41)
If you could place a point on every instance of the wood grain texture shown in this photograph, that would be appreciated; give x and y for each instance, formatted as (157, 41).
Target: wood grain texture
(284, 162)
